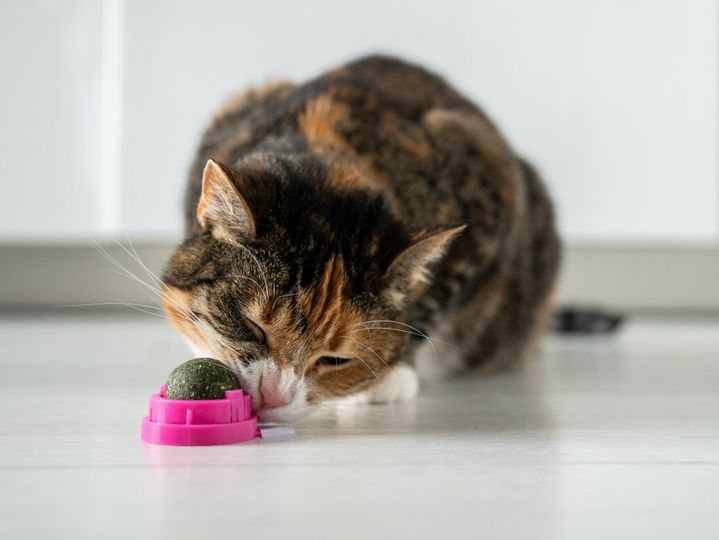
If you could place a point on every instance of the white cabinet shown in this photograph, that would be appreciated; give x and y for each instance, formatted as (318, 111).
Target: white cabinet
(615, 101)
(49, 119)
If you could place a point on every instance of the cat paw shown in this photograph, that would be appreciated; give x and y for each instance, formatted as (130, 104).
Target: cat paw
(400, 384)
(436, 362)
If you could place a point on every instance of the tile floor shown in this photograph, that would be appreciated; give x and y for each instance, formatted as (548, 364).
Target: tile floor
(602, 438)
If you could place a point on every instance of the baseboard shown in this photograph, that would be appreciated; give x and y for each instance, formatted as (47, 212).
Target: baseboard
(635, 278)
(628, 278)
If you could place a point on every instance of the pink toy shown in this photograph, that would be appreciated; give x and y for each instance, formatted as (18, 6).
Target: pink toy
(181, 422)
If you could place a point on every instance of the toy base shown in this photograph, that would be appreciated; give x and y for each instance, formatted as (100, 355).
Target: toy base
(180, 422)
(198, 435)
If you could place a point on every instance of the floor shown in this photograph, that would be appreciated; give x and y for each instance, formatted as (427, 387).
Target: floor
(601, 438)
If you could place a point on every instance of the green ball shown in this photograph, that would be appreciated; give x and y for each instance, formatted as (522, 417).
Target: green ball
(200, 378)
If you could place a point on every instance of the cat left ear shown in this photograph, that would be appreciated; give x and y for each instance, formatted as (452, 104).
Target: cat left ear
(410, 267)
(221, 208)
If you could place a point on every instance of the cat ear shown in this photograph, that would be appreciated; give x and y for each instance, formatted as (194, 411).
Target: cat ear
(409, 268)
(221, 207)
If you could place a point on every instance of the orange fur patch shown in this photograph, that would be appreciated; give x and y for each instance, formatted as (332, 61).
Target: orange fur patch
(333, 329)
(337, 330)
(319, 119)
(326, 309)
(319, 123)
(409, 136)
(284, 341)
(331, 322)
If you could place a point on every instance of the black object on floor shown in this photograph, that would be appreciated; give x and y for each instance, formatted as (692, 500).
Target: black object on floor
(586, 320)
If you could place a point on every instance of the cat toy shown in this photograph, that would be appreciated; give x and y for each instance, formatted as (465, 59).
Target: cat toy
(202, 404)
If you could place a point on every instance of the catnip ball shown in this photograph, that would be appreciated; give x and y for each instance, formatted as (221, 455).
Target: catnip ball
(200, 378)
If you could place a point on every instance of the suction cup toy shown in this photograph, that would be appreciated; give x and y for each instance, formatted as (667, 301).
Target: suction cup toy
(199, 422)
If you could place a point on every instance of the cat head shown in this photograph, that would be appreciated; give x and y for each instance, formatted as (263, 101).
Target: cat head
(291, 281)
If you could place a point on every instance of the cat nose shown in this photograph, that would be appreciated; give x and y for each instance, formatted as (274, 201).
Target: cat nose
(272, 396)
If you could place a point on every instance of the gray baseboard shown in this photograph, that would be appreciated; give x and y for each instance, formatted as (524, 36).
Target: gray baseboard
(636, 278)
(629, 278)
(56, 275)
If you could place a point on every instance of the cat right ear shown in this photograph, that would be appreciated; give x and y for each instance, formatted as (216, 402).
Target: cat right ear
(222, 209)
(409, 268)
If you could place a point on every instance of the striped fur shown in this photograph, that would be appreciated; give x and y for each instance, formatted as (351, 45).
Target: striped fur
(373, 193)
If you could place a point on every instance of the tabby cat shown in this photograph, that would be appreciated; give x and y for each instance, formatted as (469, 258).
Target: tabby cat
(345, 234)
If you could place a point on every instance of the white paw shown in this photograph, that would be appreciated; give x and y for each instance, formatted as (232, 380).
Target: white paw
(436, 363)
(400, 384)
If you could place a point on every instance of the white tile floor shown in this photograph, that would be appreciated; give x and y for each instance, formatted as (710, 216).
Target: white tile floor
(602, 438)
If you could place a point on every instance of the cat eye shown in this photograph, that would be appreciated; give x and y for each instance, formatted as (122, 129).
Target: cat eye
(256, 331)
(332, 361)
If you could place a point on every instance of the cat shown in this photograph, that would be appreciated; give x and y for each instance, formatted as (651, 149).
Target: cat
(344, 234)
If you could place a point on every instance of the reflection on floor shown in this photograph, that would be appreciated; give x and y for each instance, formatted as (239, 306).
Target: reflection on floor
(602, 437)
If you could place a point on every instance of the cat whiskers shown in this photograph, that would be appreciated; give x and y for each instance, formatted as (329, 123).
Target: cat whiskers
(358, 344)
(206, 329)
(125, 272)
(155, 287)
(132, 252)
(429, 339)
(254, 281)
(282, 296)
(370, 349)
(143, 308)
(414, 331)
(263, 290)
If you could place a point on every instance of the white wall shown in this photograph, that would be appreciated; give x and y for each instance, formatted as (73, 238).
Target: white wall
(615, 100)
(49, 118)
